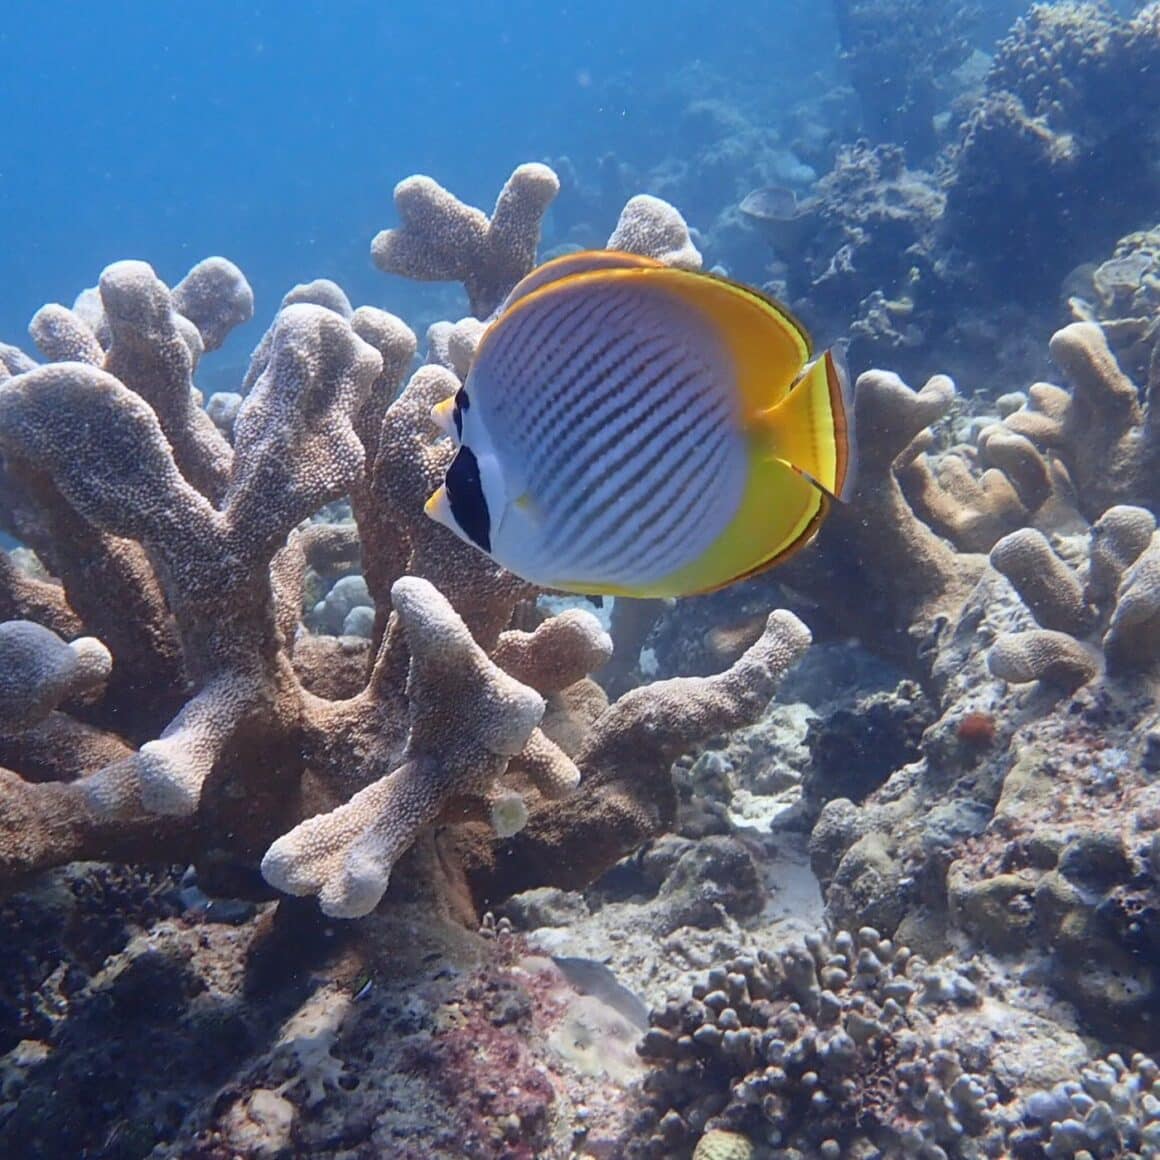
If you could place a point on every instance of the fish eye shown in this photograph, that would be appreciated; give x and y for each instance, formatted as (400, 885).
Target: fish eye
(462, 404)
(465, 495)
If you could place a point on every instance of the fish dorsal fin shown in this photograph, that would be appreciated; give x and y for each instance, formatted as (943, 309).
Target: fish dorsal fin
(580, 262)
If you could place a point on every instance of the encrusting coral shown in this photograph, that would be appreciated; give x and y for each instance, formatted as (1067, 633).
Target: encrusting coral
(182, 554)
(848, 1045)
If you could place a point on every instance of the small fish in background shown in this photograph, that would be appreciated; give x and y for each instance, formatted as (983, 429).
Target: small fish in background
(592, 977)
(779, 216)
(630, 429)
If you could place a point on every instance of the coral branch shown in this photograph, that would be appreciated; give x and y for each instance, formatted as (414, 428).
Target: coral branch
(443, 240)
(468, 719)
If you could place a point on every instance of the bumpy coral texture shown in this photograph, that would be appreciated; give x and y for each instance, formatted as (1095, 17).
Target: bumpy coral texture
(444, 240)
(1008, 565)
(848, 1046)
(177, 722)
(1072, 97)
(825, 1048)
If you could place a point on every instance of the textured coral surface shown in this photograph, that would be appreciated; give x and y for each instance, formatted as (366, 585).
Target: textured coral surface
(909, 906)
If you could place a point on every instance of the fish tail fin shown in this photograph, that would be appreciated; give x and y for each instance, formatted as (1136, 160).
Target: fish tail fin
(812, 428)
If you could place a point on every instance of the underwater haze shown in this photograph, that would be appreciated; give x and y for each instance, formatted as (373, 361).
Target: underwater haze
(273, 133)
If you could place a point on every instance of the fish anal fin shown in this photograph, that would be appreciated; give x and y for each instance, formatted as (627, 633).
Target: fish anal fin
(804, 539)
(779, 514)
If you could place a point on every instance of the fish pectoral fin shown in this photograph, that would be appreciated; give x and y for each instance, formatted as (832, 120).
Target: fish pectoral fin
(443, 416)
(438, 506)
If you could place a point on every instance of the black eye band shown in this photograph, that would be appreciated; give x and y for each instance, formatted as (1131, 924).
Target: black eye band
(465, 494)
(462, 403)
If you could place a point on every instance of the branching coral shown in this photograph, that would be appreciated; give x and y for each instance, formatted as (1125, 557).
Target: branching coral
(1101, 433)
(40, 672)
(897, 605)
(468, 719)
(624, 759)
(444, 240)
(1123, 294)
(183, 553)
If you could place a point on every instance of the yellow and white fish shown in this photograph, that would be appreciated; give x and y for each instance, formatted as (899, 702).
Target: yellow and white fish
(630, 429)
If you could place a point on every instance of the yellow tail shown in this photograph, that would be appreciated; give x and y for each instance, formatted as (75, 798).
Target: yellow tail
(812, 428)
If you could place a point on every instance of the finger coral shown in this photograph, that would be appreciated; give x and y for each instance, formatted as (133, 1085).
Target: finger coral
(177, 556)
(444, 240)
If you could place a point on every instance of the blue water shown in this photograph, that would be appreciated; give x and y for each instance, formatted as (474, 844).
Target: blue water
(273, 133)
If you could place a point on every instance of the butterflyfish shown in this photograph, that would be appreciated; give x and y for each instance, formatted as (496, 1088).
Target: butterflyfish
(630, 429)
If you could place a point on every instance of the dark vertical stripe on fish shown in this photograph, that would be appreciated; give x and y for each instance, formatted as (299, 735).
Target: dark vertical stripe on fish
(625, 424)
(579, 353)
(682, 438)
(558, 397)
(532, 358)
(606, 400)
(657, 421)
(666, 545)
(665, 478)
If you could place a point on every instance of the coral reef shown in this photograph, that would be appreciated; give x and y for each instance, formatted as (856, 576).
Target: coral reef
(851, 1046)
(1064, 606)
(827, 1048)
(1012, 800)
(1072, 103)
(1122, 293)
(868, 251)
(973, 777)
(901, 104)
(180, 569)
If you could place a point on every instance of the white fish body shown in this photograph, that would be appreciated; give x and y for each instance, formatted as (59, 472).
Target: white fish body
(606, 443)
